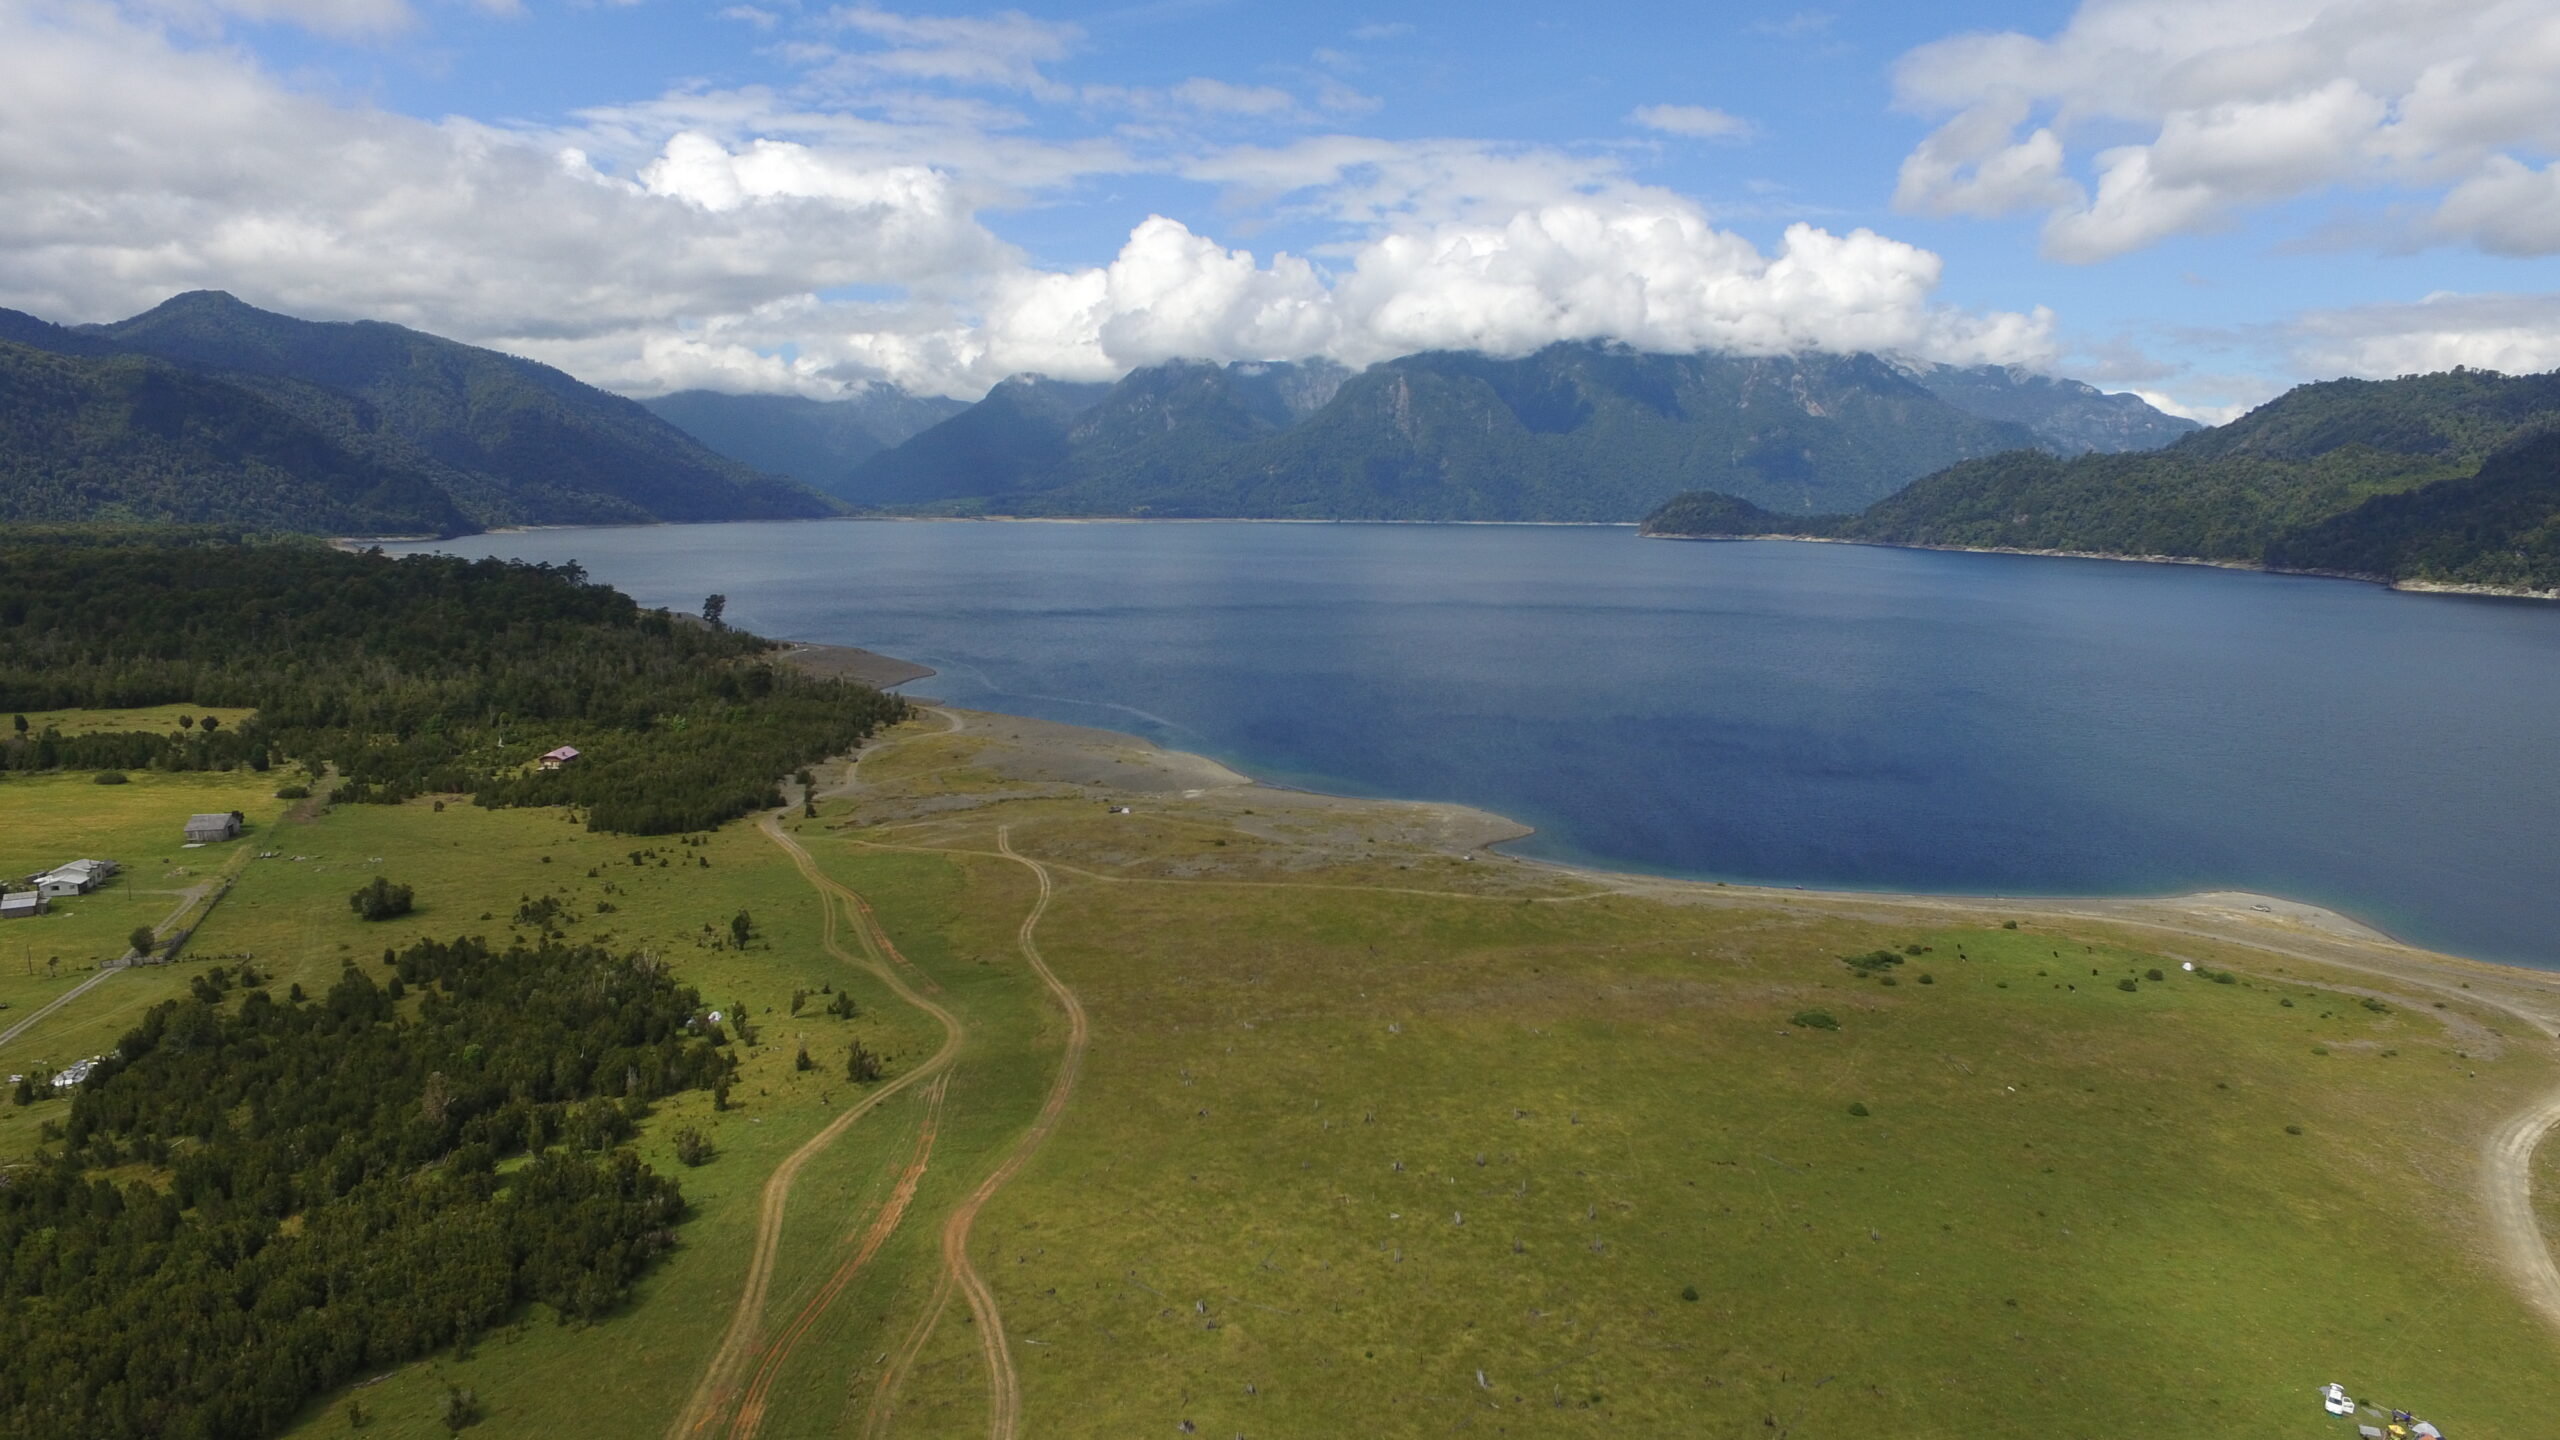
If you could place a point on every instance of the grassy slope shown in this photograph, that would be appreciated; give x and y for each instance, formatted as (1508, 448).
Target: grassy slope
(1617, 1063)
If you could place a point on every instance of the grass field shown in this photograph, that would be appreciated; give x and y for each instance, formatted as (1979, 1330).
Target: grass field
(1376, 1139)
(158, 719)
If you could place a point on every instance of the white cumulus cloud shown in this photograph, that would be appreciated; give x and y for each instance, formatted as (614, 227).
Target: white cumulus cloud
(753, 240)
(1650, 272)
(2519, 334)
(1700, 122)
(2232, 106)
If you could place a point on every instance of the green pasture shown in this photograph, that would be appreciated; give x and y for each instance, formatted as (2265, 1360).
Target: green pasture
(48, 819)
(1352, 1157)
(1351, 1163)
(154, 718)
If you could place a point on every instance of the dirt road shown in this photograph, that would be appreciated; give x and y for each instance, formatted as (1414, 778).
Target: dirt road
(1004, 1385)
(742, 1342)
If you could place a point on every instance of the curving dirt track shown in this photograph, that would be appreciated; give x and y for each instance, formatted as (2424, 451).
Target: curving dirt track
(1004, 1386)
(2507, 1166)
(741, 1342)
(751, 1410)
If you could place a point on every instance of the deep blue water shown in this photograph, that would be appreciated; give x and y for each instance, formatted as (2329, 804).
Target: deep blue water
(1826, 715)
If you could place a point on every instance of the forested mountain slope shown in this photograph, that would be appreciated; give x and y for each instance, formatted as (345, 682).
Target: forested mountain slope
(125, 437)
(2069, 417)
(2445, 478)
(1572, 432)
(529, 443)
(340, 428)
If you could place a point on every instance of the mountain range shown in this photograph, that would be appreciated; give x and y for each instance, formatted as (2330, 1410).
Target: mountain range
(206, 408)
(1572, 432)
(2450, 478)
(816, 442)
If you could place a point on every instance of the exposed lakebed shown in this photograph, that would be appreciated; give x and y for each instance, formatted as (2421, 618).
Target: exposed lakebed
(1826, 715)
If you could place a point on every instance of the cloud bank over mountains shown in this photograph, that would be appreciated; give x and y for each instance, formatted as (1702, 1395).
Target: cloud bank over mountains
(844, 223)
(751, 239)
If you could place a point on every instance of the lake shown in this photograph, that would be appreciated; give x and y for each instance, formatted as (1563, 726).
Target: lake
(1827, 715)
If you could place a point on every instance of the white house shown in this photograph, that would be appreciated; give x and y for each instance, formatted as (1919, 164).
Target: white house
(77, 878)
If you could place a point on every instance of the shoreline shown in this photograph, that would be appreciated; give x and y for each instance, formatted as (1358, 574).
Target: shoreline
(2406, 586)
(2403, 586)
(2266, 921)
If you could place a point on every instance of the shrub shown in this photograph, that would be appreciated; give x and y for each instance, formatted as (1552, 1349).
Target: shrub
(1874, 962)
(842, 1007)
(2128, 985)
(2153, 976)
(693, 1147)
(1814, 1020)
(2008, 924)
(293, 792)
(382, 900)
(802, 1060)
(1688, 1292)
(110, 777)
(2376, 1006)
(1928, 979)
(1859, 1109)
(860, 1065)
(460, 1410)
(142, 940)
(2293, 1129)
(2319, 1049)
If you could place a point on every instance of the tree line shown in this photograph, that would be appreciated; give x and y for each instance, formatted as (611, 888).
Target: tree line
(423, 674)
(330, 1198)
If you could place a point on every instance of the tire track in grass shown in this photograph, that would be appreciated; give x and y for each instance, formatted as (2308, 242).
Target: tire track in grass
(739, 1344)
(751, 1410)
(1004, 1385)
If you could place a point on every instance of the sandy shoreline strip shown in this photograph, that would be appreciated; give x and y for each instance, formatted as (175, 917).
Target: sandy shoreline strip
(2405, 586)
(848, 662)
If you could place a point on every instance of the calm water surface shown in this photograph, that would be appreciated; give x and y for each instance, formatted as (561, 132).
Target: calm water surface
(1825, 715)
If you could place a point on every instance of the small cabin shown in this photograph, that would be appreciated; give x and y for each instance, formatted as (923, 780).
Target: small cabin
(19, 904)
(558, 759)
(208, 829)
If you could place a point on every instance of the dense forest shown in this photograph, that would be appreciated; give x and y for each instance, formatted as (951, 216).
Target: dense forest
(2446, 478)
(415, 675)
(257, 1199)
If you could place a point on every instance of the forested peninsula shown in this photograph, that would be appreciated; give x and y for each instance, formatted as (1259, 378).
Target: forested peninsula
(2444, 480)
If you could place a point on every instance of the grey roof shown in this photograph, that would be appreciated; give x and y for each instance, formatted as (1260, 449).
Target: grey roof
(223, 818)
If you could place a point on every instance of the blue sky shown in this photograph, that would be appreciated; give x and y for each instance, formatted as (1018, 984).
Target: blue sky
(2202, 202)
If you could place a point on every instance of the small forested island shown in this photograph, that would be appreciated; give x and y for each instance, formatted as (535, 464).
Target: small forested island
(2450, 479)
